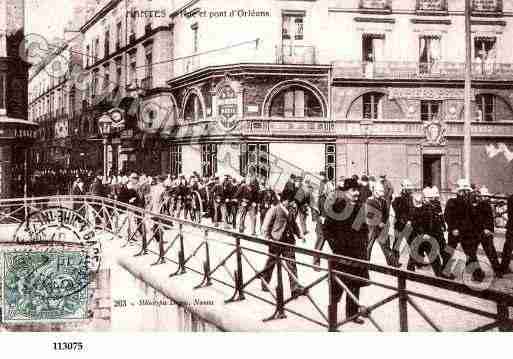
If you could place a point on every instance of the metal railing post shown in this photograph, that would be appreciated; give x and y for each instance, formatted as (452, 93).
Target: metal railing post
(206, 281)
(505, 323)
(403, 303)
(238, 295)
(332, 304)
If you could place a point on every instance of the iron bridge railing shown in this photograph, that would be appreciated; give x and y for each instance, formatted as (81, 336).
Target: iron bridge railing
(183, 243)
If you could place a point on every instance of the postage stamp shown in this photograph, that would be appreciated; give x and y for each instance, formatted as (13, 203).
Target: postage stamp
(44, 286)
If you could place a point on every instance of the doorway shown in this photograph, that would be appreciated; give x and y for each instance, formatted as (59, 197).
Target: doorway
(432, 171)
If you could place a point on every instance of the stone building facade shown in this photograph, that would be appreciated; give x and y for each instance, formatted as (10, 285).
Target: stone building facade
(16, 132)
(278, 87)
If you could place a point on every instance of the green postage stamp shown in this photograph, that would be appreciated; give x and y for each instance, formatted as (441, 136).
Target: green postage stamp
(45, 286)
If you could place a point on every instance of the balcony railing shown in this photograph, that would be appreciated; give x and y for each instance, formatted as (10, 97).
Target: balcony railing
(288, 126)
(421, 70)
(375, 5)
(295, 54)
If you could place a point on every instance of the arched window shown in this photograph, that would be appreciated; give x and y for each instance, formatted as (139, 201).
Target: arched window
(193, 110)
(295, 101)
(372, 105)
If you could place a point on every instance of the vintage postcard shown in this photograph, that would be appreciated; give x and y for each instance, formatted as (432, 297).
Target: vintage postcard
(256, 166)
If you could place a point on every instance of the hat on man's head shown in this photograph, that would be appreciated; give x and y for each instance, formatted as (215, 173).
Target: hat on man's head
(428, 192)
(463, 184)
(350, 183)
(322, 173)
(406, 184)
(483, 191)
(134, 175)
(364, 178)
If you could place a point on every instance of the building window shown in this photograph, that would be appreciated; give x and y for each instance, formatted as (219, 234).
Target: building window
(372, 103)
(96, 49)
(208, 159)
(133, 68)
(486, 107)
(148, 66)
(119, 35)
(94, 84)
(106, 76)
(330, 161)
(88, 55)
(193, 110)
(176, 160)
(429, 110)
(2, 90)
(255, 160)
(372, 47)
(106, 43)
(296, 101)
(119, 72)
(293, 26)
(195, 38)
(485, 49)
(429, 53)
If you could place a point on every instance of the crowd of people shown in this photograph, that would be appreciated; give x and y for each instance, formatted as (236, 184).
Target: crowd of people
(351, 215)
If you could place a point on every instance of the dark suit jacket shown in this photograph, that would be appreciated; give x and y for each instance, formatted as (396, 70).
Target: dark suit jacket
(276, 221)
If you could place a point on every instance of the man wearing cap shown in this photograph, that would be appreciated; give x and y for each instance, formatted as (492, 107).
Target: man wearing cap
(459, 216)
(290, 186)
(247, 196)
(422, 241)
(280, 225)
(485, 226)
(389, 189)
(348, 234)
(402, 207)
(432, 199)
(219, 198)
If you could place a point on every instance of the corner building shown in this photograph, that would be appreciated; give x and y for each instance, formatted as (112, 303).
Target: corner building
(16, 132)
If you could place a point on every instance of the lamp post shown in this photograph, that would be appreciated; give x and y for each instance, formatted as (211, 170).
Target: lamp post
(366, 127)
(105, 127)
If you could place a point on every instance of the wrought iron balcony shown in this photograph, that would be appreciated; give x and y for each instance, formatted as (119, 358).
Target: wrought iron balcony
(421, 70)
(295, 54)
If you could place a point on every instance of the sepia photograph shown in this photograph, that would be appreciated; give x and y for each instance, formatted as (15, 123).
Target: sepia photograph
(255, 166)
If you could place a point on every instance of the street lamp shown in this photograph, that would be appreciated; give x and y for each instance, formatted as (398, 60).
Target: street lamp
(366, 128)
(105, 127)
